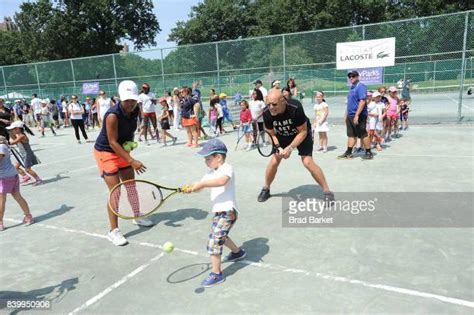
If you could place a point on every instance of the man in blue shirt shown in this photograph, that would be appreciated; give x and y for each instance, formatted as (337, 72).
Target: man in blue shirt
(356, 117)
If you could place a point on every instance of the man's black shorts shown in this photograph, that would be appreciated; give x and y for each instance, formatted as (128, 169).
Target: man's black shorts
(356, 131)
(304, 149)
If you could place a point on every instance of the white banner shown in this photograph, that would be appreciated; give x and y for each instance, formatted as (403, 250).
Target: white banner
(366, 54)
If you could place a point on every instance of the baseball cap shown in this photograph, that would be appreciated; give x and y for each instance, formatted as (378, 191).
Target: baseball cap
(162, 99)
(375, 94)
(44, 101)
(369, 93)
(128, 90)
(353, 73)
(212, 146)
(258, 82)
(392, 89)
(15, 124)
(222, 95)
(275, 83)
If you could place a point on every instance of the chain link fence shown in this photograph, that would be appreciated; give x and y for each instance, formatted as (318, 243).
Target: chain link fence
(435, 53)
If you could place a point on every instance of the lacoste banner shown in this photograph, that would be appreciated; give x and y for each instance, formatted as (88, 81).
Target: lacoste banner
(366, 54)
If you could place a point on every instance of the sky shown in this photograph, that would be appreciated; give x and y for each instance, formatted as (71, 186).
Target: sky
(168, 12)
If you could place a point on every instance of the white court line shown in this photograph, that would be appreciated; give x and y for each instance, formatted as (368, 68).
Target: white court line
(78, 170)
(116, 285)
(456, 102)
(383, 287)
(65, 160)
(429, 155)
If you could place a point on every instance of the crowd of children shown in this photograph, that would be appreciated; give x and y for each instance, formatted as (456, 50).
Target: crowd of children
(387, 116)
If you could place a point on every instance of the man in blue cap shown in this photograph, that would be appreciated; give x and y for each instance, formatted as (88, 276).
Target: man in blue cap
(356, 117)
(221, 180)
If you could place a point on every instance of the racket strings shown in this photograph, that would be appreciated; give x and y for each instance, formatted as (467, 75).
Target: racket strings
(135, 199)
(264, 143)
(132, 195)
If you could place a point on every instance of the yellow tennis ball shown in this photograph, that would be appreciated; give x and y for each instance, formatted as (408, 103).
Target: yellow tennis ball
(127, 146)
(168, 247)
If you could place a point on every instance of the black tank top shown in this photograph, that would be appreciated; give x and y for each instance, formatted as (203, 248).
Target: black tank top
(126, 128)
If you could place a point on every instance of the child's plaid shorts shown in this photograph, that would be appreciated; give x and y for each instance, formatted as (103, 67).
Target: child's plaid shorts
(222, 222)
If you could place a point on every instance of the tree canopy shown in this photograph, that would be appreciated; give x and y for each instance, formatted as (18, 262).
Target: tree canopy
(216, 20)
(50, 30)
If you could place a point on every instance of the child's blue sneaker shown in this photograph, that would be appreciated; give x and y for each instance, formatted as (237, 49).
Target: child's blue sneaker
(236, 256)
(213, 279)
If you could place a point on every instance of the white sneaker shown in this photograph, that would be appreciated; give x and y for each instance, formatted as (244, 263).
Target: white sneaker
(117, 238)
(143, 222)
(249, 147)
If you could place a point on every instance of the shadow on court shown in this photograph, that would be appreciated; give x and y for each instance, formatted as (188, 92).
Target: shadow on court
(57, 212)
(302, 192)
(53, 294)
(171, 218)
(256, 249)
(58, 177)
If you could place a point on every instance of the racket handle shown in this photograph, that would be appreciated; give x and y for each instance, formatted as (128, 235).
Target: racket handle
(184, 189)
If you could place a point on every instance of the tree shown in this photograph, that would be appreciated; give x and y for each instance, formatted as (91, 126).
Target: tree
(214, 20)
(50, 30)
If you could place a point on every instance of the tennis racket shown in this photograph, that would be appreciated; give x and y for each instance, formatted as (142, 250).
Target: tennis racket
(265, 145)
(17, 156)
(240, 135)
(136, 198)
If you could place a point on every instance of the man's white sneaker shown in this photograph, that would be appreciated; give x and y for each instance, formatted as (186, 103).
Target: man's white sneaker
(143, 222)
(117, 238)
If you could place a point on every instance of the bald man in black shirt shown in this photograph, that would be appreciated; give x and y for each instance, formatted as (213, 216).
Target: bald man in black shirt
(286, 121)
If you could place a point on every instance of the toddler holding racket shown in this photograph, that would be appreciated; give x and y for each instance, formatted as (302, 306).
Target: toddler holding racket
(221, 180)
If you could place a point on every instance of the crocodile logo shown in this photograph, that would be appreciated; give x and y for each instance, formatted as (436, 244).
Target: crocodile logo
(382, 55)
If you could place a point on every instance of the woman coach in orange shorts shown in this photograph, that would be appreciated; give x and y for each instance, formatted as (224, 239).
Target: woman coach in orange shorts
(115, 164)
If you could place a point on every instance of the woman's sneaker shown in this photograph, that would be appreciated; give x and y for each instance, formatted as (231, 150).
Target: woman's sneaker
(117, 238)
(143, 222)
(236, 256)
(213, 279)
(28, 220)
(2, 227)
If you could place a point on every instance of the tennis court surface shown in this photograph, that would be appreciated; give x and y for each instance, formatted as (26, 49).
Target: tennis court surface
(66, 258)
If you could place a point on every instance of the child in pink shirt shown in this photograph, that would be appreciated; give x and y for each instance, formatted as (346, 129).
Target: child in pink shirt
(246, 123)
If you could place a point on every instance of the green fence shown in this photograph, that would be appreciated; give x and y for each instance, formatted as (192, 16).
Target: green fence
(436, 53)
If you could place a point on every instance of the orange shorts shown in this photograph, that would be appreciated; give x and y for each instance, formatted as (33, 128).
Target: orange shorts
(109, 163)
(188, 122)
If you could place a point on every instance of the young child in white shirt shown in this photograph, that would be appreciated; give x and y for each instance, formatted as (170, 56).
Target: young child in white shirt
(221, 180)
